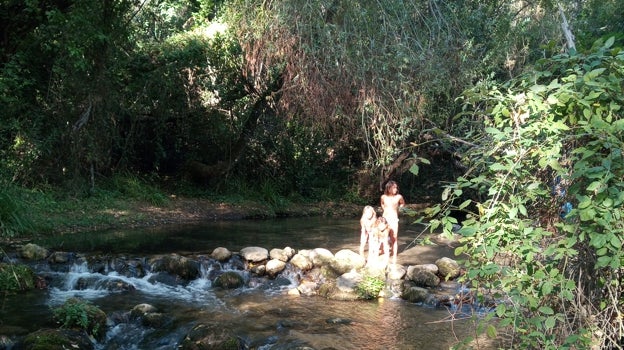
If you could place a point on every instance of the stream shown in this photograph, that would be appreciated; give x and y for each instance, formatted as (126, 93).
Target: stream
(261, 314)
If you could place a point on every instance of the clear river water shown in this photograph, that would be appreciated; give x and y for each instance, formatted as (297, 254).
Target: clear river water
(264, 316)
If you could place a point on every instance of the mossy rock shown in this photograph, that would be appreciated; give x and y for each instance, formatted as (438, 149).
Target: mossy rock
(79, 314)
(16, 277)
(229, 280)
(210, 337)
(57, 339)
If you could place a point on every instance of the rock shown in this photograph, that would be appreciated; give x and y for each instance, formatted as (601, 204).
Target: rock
(274, 266)
(321, 257)
(423, 278)
(282, 254)
(177, 265)
(348, 281)
(229, 280)
(396, 271)
(32, 251)
(346, 260)
(60, 257)
(448, 268)
(301, 262)
(149, 316)
(308, 288)
(57, 339)
(413, 293)
(221, 254)
(254, 254)
(210, 336)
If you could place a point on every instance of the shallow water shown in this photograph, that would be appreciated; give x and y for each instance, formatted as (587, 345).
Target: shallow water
(264, 316)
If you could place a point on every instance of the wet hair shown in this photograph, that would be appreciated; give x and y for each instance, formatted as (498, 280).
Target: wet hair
(367, 209)
(389, 185)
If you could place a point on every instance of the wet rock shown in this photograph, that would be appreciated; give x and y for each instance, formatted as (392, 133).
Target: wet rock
(448, 268)
(61, 257)
(210, 336)
(229, 280)
(32, 251)
(307, 288)
(221, 254)
(274, 266)
(57, 339)
(348, 281)
(424, 278)
(413, 293)
(92, 319)
(177, 265)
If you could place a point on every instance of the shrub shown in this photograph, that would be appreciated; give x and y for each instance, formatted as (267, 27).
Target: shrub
(370, 287)
(80, 314)
(546, 232)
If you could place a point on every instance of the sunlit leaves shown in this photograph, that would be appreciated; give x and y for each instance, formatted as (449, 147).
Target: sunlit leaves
(549, 143)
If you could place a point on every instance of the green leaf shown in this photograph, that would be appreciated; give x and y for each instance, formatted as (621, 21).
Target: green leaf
(547, 288)
(414, 169)
(491, 331)
(550, 322)
(546, 310)
(465, 204)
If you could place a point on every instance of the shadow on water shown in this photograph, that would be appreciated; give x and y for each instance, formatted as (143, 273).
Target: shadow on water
(265, 316)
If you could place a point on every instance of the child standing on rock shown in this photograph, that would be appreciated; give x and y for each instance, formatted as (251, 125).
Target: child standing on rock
(367, 223)
(391, 203)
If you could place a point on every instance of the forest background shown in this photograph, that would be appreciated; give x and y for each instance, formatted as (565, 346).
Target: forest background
(506, 114)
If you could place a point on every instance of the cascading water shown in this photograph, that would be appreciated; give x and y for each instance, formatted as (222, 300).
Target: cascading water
(262, 314)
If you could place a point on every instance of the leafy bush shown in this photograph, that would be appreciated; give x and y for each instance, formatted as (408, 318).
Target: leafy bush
(15, 278)
(370, 287)
(545, 236)
(80, 314)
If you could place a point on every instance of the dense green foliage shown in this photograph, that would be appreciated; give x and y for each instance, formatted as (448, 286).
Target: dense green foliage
(16, 278)
(82, 315)
(546, 231)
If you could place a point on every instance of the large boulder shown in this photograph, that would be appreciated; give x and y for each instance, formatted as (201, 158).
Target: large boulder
(229, 280)
(422, 277)
(413, 293)
(301, 262)
(346, 260)
(185, 268)
(57, 339)
(321, 256)
(254, 254)
(221, 254)
(210, 336)
(32, 251)
(274, 266)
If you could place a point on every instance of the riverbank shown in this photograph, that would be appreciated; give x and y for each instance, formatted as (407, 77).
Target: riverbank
(84, 216)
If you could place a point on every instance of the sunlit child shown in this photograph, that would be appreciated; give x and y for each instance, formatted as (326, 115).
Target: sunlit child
(367, 223)
(379, 242)
(391, 203)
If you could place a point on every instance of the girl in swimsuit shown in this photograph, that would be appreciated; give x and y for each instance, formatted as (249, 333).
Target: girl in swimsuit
(367, 223)
(391, 202)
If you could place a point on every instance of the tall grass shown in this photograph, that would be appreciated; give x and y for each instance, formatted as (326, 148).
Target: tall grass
(13, 220)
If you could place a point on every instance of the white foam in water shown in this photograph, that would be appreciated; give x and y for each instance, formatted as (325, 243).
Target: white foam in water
(96, 286)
